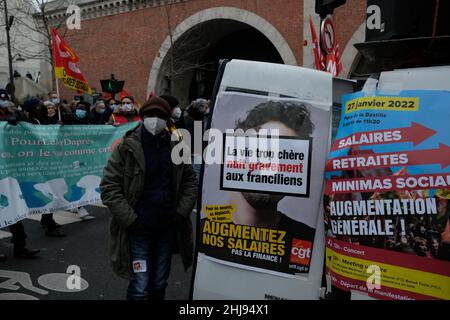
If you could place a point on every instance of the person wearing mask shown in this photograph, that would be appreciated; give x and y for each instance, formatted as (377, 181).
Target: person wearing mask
(8, 111)
(80, 114)
(53, 97)
(34, 110)
(17, 230)
(112, 103)
(49, 117)
(150, 200)
(196, 114)
(72, 105)
(62, 109)
(4, 98)
(176, 120)
(99, 114)
(125, 113)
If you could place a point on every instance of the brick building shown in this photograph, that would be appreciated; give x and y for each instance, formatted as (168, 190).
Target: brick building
(175, 45)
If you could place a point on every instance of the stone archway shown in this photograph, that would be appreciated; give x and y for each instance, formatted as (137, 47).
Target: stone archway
(228, 15)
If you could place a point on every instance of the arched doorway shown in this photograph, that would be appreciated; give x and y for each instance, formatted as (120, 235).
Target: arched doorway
(188, 61)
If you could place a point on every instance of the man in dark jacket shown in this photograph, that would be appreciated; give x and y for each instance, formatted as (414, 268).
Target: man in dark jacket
(100, 113)
(150, 200)
(17, 230)
(81, 113)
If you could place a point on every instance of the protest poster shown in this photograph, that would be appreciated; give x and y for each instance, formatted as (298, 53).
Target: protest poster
(48, 168)
(258, 208)
(387, 212)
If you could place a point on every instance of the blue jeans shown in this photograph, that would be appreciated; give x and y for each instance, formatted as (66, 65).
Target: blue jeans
(155, 248)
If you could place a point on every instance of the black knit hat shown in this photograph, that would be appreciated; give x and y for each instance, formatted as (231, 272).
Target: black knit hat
(171, 100)
(155, 103)
(4, 94)
(30, 103)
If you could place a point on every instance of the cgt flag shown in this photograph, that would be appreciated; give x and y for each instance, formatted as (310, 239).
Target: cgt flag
(333, 62)
(66, 65)
(319, 59)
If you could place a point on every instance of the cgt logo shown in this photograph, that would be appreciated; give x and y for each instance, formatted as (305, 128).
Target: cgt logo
(301, 252)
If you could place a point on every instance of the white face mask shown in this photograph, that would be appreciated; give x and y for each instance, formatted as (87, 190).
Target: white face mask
(4, 103)
(127, 107)
(176, 113)
(154, 125)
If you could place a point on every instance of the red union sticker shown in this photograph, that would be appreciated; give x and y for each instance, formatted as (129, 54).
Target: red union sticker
(301, 252)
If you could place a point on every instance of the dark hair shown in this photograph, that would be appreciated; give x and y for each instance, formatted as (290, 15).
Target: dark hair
(85, 104)
(31, 104)
(109, 100)
(292, 114)
(127, 97)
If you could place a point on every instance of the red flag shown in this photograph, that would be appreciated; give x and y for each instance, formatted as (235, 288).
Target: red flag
(66, 64)
(331, 64)
(123, 94)
(318, 56)
(337, 53)
(334, 62)
(106, 96)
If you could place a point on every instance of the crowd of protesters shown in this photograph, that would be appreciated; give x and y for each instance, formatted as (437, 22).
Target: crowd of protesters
(158, 119)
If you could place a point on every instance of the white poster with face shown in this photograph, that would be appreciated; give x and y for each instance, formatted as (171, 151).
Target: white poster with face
(260, 206)
(260, 228)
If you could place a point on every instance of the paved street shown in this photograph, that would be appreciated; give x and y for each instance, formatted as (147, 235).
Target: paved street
(86, 246)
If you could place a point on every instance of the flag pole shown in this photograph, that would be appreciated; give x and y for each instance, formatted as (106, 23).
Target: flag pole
(59, 98)
(54, 70)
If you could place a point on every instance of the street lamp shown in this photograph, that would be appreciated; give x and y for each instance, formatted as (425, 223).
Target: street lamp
(8, 23)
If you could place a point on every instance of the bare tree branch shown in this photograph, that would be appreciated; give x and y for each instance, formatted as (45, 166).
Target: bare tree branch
(31, 25)
(183, 53)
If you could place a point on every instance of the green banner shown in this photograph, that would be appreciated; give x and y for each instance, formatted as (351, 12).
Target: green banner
(48, 168)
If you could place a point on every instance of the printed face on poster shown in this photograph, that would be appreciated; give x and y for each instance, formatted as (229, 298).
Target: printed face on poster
(258, 209)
